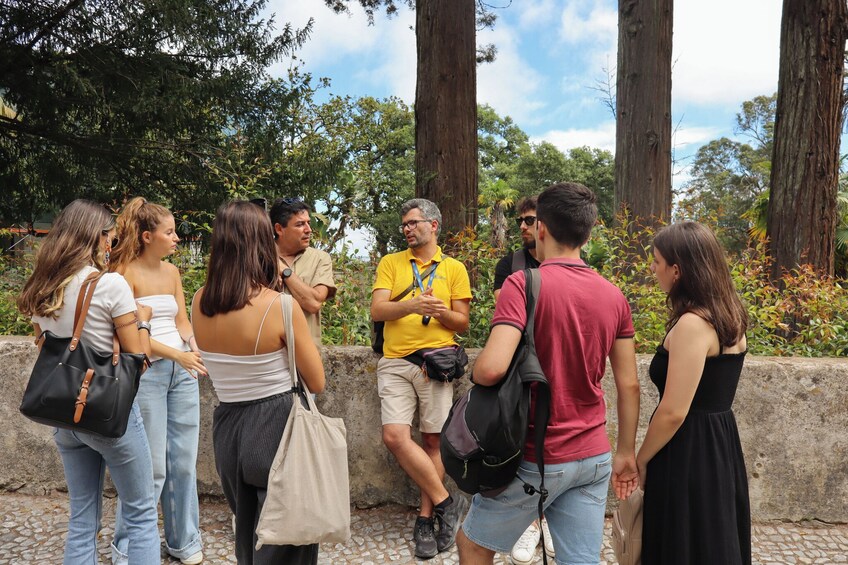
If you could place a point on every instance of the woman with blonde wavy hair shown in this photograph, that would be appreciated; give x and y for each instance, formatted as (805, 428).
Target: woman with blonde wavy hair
(168, 396)
(74, 248)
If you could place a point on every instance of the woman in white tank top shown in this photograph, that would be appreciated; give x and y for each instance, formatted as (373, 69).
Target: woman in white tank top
(168, 395)
(238, 321)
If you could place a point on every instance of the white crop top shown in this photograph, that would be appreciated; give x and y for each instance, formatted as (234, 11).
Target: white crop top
(163, 324)
(112, 298)
(240, 378)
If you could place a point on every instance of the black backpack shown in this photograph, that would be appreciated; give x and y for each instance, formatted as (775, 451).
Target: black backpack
(483, 438)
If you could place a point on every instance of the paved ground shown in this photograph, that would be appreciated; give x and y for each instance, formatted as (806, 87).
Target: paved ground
(32, 531)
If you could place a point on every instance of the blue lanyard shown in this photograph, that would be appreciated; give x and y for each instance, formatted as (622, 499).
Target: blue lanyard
(418, 275)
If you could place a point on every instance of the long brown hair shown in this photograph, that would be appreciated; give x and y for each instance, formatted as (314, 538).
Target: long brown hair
(73, 242)
(137, 216)
(242, 259)
(704, 286)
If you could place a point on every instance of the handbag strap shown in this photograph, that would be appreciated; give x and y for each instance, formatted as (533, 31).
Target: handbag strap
(86, 294)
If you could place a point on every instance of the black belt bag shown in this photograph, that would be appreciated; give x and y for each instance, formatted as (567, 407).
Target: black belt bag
(443, 364)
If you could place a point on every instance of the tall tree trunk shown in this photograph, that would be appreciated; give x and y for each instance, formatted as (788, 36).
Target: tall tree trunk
(498, 238)
(643, 109)
(446, 110)
(801, 221)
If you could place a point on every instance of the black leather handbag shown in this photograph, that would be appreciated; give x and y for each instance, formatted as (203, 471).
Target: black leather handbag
(76, 387)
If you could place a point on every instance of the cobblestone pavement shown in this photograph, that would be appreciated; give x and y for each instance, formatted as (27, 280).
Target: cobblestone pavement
(32, 530)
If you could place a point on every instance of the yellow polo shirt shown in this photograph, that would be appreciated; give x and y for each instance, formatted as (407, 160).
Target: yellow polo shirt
(408, 334)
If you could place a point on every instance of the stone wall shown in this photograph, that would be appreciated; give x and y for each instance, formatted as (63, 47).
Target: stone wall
(792, 415)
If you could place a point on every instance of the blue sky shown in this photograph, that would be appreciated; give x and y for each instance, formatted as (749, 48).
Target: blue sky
(550, 55)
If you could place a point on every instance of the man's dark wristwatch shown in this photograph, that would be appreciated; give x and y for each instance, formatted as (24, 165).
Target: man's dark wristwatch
(287, 273)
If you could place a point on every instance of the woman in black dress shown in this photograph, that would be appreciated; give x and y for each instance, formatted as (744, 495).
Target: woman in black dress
(691, 464)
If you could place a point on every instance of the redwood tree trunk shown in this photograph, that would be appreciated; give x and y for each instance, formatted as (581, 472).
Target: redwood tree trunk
(643, 109)
(805, 166)
(446, 110)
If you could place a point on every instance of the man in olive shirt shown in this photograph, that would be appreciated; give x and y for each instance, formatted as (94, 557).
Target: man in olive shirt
(307, 272)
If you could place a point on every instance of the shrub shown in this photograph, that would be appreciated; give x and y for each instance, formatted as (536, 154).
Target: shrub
(806, 316)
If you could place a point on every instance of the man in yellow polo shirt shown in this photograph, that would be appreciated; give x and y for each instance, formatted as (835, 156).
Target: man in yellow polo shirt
(428, 316)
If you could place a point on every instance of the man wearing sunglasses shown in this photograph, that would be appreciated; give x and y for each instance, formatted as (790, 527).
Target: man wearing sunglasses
(307, 272)
(525, 257)
(423, 297)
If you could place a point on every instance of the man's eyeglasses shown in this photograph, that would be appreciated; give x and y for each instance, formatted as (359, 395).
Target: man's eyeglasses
(412, 224)
(529, 220)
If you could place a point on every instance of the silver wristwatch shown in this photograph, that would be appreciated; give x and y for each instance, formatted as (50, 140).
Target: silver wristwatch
(143, 326)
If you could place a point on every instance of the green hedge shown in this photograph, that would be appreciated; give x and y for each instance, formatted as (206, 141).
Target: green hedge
(809, 318)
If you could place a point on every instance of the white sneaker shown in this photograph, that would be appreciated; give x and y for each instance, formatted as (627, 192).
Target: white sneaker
(193, 559)
(549, 541)
(524, 550)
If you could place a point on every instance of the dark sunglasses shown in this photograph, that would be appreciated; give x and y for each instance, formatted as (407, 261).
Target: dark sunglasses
(529, 220)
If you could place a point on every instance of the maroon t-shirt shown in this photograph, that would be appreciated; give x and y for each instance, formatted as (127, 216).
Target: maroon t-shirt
(579, 315)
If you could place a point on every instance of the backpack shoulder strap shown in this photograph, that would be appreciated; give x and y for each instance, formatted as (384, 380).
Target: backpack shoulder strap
(542, 412)
(519, 261)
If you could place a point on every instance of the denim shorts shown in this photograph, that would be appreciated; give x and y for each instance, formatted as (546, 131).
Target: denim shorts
(574, 510)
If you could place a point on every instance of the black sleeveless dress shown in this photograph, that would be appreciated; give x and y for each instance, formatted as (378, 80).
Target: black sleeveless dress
(696, 498)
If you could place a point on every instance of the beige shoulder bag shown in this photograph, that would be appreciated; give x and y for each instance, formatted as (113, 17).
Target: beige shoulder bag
(308, 499)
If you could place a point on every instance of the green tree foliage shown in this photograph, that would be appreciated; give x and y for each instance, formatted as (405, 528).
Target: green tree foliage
(112, 98)
(594, 168)
(353, 159)
(729, 177)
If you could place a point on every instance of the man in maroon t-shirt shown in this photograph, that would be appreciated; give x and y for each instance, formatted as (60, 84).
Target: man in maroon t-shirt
(581, 320)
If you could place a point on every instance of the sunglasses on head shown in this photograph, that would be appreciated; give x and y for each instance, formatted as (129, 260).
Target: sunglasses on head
(529, 220)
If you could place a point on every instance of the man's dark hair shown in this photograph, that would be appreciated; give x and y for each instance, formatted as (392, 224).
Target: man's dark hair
(525, 205)
(569, 212)
(284, 208)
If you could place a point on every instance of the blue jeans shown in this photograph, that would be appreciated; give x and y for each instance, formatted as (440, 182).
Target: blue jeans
(85, 458)
(169, 399)
(577, 497)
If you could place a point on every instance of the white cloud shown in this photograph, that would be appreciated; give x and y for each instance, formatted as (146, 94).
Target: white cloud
(602, 137)
(583, 21)
(725, 51)
(685, 136)
(395, 56)
(509, 84)
(382, 55)
(333, 35)
(535, 14)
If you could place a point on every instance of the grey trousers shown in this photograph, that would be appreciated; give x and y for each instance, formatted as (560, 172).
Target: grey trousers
(245, 436)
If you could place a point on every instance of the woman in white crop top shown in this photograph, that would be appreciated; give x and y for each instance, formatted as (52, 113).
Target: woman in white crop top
(238, 321)
(168, 396)
(76, 246)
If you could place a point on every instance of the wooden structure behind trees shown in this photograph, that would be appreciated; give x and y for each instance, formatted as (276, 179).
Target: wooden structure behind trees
(801, 222)
(643, 109)
(446, 109)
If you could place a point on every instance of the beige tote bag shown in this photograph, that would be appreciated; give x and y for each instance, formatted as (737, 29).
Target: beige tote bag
(308, 498)
(627, 529)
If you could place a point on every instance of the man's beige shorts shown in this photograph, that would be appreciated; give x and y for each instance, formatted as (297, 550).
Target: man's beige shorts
(403, 387)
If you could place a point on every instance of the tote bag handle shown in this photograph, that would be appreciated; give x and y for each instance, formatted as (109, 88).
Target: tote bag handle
(286, 305)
